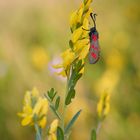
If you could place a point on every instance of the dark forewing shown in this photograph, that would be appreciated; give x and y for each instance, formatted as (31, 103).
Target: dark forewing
(94, 51)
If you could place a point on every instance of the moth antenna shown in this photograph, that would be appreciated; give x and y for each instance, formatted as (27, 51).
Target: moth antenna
(93, 16)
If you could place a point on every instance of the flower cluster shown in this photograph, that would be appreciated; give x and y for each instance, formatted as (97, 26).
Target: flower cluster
(79, 42)
(103, 105)
(35, 109)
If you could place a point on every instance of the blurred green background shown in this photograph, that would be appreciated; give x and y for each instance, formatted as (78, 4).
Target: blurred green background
(32, 35)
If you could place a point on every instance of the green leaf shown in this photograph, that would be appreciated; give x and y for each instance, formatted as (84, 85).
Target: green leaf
(93, 134)
(71, 83)
(71, 94)
(60, 134)
(72, 121)
(52, 90)
(57, 102)
(71, 44)
(55, 112)
(80, 62)
(80, 68)
(77, 77)
(52, 94)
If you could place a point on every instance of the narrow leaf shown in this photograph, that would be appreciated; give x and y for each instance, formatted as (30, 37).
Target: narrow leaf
(79, 63)
(80, 68)
(93, 134)
(52, 90)
(71, 44)
(77, 77)
(51, 94)
(57, 102)
(72, 121)
(71, 94)
(60, 134)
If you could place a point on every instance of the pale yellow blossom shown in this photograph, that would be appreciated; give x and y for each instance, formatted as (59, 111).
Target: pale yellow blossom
(52, 130)
(35, 109)
(68, 57)
(103, 105)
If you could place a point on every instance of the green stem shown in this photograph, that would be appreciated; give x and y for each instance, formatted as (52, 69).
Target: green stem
(98, 127)
(38, 132)
(64, 107)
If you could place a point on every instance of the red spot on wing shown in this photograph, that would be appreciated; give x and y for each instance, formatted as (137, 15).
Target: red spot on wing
(94, 37)
(94, 55)
(95, 48)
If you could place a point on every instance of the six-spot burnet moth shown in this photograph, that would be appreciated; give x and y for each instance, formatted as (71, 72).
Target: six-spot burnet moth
(94, 50)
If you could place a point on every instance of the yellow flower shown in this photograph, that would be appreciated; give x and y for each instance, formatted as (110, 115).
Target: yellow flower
(68, 57)
(76, 34)
(53, 129)
(87, 4)
(39, 58)
(80, 13)
(84, 52)
(79, 42)
(103, 105)
(35, 109)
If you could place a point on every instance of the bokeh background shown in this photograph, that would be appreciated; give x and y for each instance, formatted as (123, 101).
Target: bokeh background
(32, 35)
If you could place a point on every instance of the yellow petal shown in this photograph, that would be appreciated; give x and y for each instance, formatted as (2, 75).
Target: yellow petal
(41, 107)
(68, 57)
(65, 53)
(52, 137)
(26, 121)
(53, 126)
(86, 24)
(107, 98)
(77, 34)
(99, 108)
(87, 4)
(73, 19)
(84, 52)
(44, 109)
(107, 108)
(58, 66)
(80, 13)
(82, 70)
(27, 109)
(62, 73)
(80, 44)
(87, 14)
(38, 106)
(42, 122)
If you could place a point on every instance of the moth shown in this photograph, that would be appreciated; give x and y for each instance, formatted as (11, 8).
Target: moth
(94, 50)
